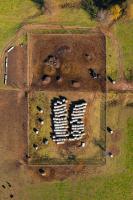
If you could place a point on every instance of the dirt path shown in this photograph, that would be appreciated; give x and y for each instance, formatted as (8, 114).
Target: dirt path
(121, 86)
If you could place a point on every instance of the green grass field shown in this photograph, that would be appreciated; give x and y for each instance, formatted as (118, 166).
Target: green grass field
(12, 14)
(111, 59)
(124, 30)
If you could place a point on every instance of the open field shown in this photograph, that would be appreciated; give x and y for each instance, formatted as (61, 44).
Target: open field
(13, 142)
(12, 14)
(57, 13)
(74, 64)
(59, 154)
(113, 181)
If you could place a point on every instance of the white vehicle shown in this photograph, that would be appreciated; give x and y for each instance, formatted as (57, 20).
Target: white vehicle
(10, 49)
(5, 79)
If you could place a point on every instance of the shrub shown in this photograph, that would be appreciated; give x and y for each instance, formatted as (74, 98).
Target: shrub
(116, 12)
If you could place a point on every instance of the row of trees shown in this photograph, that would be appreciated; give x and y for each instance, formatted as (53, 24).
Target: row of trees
(94, 6)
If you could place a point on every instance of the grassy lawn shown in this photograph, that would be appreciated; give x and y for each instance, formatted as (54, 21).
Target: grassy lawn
(111, 59)
(124, 32)
(116, 187)
(12, 14)
(71, 17)
(115, 181)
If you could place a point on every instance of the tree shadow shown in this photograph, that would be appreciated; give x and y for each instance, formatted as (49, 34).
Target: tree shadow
(40, 3)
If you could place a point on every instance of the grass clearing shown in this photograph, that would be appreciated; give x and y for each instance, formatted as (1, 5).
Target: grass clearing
(124, 32)
(71, 17)
(111, 59)
(12, 14)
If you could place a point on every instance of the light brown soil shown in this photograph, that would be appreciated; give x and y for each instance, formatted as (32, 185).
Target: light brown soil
(13, 140)
(17, 67)
(114, 149)
(116, 136)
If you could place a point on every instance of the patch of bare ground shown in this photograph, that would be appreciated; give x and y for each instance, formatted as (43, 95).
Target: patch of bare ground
(74, 65)
(121, 86)
(114, 149)
(17, 67)
(116, 136)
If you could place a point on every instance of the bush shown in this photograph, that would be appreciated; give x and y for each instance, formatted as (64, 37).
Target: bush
(90, 7)
(116, 12)
(39, 2)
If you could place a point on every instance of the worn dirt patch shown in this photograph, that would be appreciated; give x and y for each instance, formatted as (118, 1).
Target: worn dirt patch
(116, 136)
(86, 51)
(17, 67)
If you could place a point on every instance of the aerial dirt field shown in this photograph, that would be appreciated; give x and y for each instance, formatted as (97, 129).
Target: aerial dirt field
(81, 53)
(17, 67)
(13, 140)
(13, 123)
(54, 154)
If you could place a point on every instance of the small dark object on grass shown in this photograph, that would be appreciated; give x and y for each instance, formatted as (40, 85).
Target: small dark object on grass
(45, 141)
(42, 172)
(111, 80)
(4, 186)
(36, 130)
(39, 109)
(35, 146)
(8, 184)
(109, 130)
(109, 153)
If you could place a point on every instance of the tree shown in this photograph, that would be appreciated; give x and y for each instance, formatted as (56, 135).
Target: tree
(116, 12)
(90, 7)
(39, 2)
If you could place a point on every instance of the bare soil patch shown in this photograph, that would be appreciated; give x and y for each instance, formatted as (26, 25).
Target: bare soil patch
(116, 136)
(13, 122)
(85, 51)
(114, 149)
(13, 142)
(17, 67)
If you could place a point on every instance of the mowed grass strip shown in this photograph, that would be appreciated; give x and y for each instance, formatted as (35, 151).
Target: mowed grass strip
(124, 31)
(111, 59)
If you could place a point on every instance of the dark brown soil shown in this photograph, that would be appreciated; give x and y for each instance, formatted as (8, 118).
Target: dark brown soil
(74, 63)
